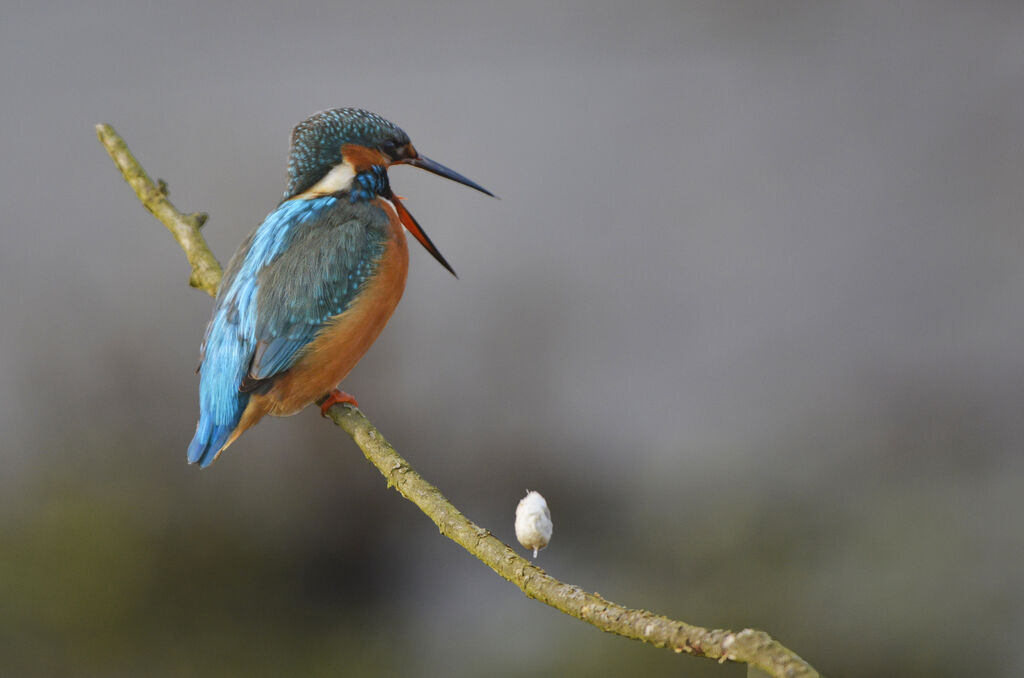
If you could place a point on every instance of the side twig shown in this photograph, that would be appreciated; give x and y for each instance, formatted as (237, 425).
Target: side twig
(749, 646)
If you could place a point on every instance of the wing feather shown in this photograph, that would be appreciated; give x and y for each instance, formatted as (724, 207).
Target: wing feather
(314, 279)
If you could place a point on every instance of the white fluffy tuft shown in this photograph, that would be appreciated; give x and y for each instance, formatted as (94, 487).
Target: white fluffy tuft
(533, 522)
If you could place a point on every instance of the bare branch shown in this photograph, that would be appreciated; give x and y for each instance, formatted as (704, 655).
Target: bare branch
(206, 271)
(750, 646)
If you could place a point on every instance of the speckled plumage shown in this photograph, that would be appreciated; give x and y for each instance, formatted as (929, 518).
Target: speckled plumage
(317, 142)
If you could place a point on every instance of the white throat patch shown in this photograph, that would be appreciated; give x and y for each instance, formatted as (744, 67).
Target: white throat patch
(338, 179)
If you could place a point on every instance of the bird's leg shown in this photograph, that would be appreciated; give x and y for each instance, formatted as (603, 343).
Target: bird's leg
(335, 397)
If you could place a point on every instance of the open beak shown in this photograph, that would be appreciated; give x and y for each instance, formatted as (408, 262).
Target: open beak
(410, 223)
(413, 227)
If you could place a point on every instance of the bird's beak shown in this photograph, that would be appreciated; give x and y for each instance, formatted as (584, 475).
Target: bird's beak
(413, 227)
(440, 170)
(407, 219)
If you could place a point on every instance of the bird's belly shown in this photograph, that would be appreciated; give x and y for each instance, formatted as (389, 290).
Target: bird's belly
(345, 339)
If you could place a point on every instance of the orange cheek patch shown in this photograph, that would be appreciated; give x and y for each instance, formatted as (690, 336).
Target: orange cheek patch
(361, 158)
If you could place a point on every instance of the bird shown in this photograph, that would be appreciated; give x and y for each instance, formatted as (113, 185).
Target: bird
(310, 289)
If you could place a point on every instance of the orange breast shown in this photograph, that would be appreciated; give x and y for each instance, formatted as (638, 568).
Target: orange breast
(347, 337)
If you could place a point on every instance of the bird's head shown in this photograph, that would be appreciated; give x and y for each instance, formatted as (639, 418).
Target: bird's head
(333, 147)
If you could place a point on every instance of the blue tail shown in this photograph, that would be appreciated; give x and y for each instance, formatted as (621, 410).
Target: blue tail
(209, 439)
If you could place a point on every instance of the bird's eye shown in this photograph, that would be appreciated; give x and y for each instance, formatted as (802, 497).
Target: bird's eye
(388, 148)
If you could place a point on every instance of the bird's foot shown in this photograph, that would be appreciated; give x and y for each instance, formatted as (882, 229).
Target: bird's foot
(335, 397)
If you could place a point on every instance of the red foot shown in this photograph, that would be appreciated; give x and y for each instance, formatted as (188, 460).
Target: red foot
(335, 397)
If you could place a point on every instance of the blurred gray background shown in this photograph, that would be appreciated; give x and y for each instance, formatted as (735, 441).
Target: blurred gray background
(749, 314)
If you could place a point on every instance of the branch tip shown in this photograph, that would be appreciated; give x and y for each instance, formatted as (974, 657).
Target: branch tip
(206, 270)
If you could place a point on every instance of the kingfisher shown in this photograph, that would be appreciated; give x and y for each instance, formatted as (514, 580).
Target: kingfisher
(311, 288)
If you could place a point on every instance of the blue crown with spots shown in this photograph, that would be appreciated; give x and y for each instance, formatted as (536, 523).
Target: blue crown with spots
(317, 142)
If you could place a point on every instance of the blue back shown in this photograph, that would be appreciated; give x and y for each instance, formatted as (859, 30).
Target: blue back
(304, 264)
